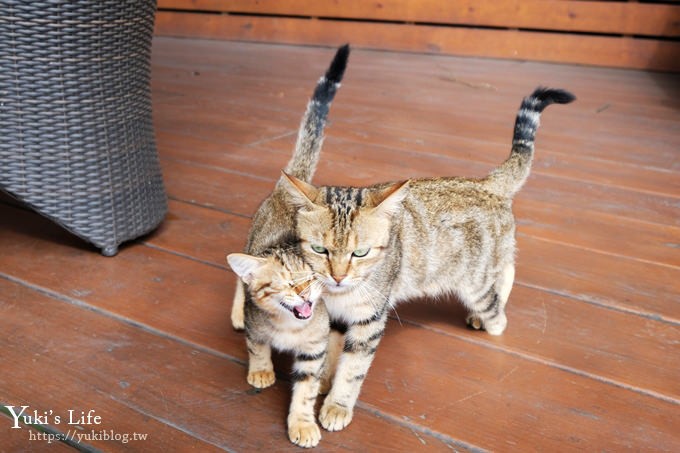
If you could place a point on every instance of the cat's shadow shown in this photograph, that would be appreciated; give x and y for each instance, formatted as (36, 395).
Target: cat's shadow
(424, 312)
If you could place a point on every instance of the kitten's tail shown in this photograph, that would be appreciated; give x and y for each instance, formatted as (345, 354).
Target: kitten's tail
(310, 136)
(509, 177)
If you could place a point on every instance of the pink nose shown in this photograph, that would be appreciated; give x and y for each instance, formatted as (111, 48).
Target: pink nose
(339, 278)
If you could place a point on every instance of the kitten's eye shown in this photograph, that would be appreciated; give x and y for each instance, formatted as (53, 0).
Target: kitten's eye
(360, 253)
(319, 249)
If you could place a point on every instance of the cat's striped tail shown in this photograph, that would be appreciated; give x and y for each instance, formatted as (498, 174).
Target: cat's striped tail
(508, 178)
(311, 134)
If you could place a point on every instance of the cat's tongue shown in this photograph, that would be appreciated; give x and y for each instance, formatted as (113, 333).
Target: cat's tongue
(303, 311)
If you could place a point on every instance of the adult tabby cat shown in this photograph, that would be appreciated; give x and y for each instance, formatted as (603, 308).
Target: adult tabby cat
(378, 245)
(280, 307)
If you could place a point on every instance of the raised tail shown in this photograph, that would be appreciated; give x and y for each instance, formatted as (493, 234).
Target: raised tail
(509, 177)
(311, 134)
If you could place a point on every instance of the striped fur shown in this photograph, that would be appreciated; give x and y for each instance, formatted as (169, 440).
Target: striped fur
(278, 281)
(275, 280)
(374, 247)
(511, 175)
(310, 135)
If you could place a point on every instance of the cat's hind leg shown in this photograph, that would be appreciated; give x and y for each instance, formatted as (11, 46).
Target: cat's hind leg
(237, 307)
(488, 312)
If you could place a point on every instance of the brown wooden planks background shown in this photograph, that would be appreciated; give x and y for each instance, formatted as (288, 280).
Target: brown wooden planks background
(605, 33)
(590, 357)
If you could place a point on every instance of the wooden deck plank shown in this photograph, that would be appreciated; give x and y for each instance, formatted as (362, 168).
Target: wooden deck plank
(607, 279)
(599, 232)
(181, 62)
(193, 181)
(476, 159)
(591, 16)
(588, 340)
(565, 276)
(632, 128)
(553, 157)
(589, 359)
(537, 405)
(568, 345)
(217, 410)
(239, 194)
(83, 367)
(549, 220)
(447, 76)
(525, 301)
(20, 440)
(600, 50)
(157, 307)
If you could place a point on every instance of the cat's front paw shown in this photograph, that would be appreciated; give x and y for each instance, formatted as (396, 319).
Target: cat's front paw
(304, 434)
(261, 379)
(334, 417)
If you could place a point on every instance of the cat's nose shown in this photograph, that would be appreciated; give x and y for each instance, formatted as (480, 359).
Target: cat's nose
(339, 278)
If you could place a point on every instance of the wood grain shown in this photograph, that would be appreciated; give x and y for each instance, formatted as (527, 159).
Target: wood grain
(589, 359)
(129, 361)
(630, 18)
(600, 50)
(140, 381)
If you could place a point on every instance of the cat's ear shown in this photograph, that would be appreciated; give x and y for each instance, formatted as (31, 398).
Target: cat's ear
(303, 194)
(388, 200)
(245, 266)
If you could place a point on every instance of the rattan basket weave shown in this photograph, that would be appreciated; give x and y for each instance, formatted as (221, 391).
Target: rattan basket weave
(76, 136)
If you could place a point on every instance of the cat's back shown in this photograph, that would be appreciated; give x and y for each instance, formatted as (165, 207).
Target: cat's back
(453, 233)
(273, 222)
(453, 195)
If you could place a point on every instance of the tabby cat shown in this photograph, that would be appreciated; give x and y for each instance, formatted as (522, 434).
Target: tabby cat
(375, 246)
(284, 311)
(279, 305)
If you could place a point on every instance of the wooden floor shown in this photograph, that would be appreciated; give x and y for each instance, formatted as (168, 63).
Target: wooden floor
(591, 357)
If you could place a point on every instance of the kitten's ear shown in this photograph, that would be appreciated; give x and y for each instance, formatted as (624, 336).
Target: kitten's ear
(388, 200)
(302, 193)
(245, 266)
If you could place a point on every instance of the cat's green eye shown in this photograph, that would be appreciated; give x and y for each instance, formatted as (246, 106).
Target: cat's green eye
(360, 253)
(319, 249)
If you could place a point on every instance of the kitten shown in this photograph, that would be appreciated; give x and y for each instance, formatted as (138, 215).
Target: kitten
(279, 305)
(379, 245)
(284, 311)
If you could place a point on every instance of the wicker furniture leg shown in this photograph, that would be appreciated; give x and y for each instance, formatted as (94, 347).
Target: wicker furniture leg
(76, 136)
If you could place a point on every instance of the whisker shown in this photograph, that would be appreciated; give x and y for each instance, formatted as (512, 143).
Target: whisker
(367, 285)
(305, 291)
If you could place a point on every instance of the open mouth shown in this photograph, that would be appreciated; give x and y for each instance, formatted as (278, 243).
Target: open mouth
(302, 311)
